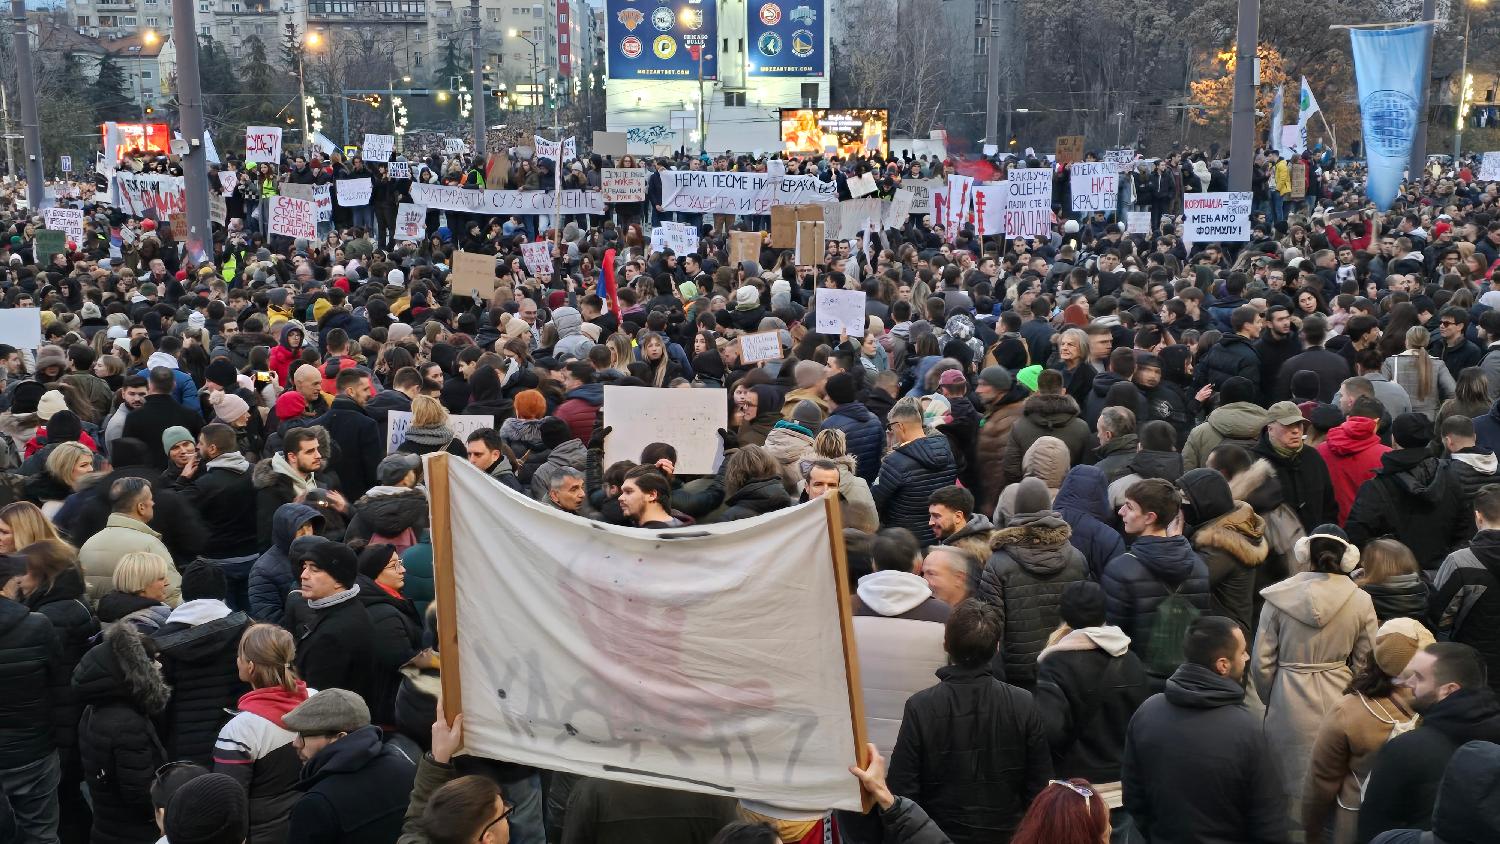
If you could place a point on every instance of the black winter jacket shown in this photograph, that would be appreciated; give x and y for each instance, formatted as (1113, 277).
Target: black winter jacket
(121, 690)
(361, 444)
(1305, 483)
(1087, 696)
(1466, 599)
(355, 791)
(1135, 584)
(1400, 596)
(31, 673)
(388, 515)
(1227, 790)
(398, 637)
(754, 499)
(908, 475)
(271, 577)
(198, 662)
(335, 648)
(864, 437)
(1412, 500)
(1031, 565)
(223, 495)
(973, 752)
(66, 606)
(1231, 356)
(1083, 502)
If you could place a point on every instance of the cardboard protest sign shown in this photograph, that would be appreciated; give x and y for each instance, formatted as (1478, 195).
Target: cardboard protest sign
(228, 181)
(323, 200)
(623, 184)
(862, 185)
(1069, 148)
(900, 210)
(294, 217)
(717, 659)
(783, 226)
(610, 143)
(1299, 179)
(497, 170)
(855, 216)
(1138, 222)
(641, 415)
(1122, 156)
(21, 327)
(1216, 217)
(1094, 186)
(218, 210)
(764, 345)
(744, 246)
(354, 192)
(454, 146)
(472, 271)
(810, 243)
(177, 224)
(66, 220)
(263, 144)
(538, 257)
(989, 208)
(411, 222)
(378, 147)
(1489, 167)
(49, 242)
(462, 425)
(658, 239)
(839, 311)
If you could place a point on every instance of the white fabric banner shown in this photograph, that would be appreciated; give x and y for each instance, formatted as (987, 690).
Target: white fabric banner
(450, 198)
(1094, 185)
(149, 195)
(714, 192)
(709, 660)
(354, 192)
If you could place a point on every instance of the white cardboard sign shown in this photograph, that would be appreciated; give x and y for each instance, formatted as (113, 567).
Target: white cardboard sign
(1216, 217)
(397, 421)
(294, 217)
(378, 147)
(21, 327)
(263, 144)
(840, 310)
(688, 419)
(763, 345)
(354, 192)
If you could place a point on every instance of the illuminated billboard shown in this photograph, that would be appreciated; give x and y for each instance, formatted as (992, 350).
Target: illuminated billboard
(843, 132)
(136, 139)
(662, 39)
(785, 39)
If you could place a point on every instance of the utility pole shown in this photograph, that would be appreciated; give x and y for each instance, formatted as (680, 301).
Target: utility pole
(1419, 140)
(992, 86)
(476, 102)
(10, 150)
(31, 129)
(190, 115)
(1242, 127)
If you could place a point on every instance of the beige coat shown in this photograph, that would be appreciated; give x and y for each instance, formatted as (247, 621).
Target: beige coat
(123, 535)
(1342, 757)
(1316, 631)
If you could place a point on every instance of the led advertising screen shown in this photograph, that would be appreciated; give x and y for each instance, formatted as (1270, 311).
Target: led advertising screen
(662, 39)
(785, 37)
(134, 138)
(842, 132)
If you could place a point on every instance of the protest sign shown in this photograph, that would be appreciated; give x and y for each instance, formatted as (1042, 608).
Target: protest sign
(776, 167)
(177, 224)
(1216, 217)
(989, 208)
(497, 170)
(840, 310)
(1028, 202)
(218, 210)
(1094, 185)
(718, 660)
(862, 185)
(378, 147)
(715, 192)
(354, 192)
(623, 184)
(263, 145)
(1489, 167)
(1138, 222)
(67, 163)
(639, 415)
(1121, 157)
(294, 217)
(228, 181)
(810, 248)
(682, 238)
(21, 328)
(66, 220)
(454, 146)
(658, 239)
(1069, 149)
(399, 170)
(149, 195)
(454, 198)
(922, 192)
(472, 271)
(1299, 179)
(610, 143)
(397, 421)
(764, 345)
(411, 222)
(49, 242)
(323, 200)
(900, 210)
(855, 216)
(538, 257)
(744, 246)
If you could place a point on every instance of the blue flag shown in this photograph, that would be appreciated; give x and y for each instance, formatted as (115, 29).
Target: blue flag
(1388, 65)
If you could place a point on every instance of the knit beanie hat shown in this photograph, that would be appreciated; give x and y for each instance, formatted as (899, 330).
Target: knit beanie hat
(1032, 496)
(202, 580)
(210, 809)
(1397, 641)
(808, 413)
(27, 395)
(228, 406)
(337, 560)
(221, 372)
(51, 402)
(64, 427)
(1412, 430)
(1082, 604)
(746, 298)
(374, 558)
(290, 405)
(530, 404)
(1305, 385)
(997, 377)
(174, 435)
(1236, 389)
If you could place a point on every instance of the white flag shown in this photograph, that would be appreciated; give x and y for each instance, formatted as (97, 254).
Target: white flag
(323, 143)
(1307, 104)
(1278, 108)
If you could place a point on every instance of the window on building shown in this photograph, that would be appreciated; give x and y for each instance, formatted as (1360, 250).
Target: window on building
(127, 22)
(234, 7)
(742, 46)
(981, 45)
(726, 45)
(234, 30)
(203, 7)
(809, 95)
(563, 39)
(83, 20)
(981, 81)
(207, 29)
(145, 74)
(536, 33)
(734, 99)
(151, 22)
(562, 19)
(416, 59)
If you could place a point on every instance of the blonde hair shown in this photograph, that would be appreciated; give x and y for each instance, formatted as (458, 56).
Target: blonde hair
(1417, 339)
(1384, 559)
(830, 443)
(137, 570)
(27, 523)
(427, 412)
(64, 457)
(270, 649)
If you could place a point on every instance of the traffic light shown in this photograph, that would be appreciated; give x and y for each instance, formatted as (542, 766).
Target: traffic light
(150, 110)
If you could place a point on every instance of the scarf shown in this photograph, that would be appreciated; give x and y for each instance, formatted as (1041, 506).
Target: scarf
(333, 600)
(433, 435)
(1284, 452)
(300, 485)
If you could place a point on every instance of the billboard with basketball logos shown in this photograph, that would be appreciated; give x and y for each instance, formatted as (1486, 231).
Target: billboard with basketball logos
(785, 37)
(662, 39)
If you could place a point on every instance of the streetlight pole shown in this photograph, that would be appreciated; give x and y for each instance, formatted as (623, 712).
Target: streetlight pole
(702, 112)
(31, 130)
(199, 236)
(1242, 124)
(536, 106)
(477, 101)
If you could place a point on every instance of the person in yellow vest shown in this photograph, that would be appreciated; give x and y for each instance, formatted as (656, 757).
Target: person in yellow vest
(1281, 186)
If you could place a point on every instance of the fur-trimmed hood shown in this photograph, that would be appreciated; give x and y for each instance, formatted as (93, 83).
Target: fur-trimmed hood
(1038, 542)
(1258, 486)
(1050, 411)
(119, 670)
(1239, 533)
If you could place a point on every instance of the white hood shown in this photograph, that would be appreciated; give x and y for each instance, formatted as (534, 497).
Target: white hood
(161, 359)
(201, 611)
(1108, 638)
(1483, 463)
(893, 592)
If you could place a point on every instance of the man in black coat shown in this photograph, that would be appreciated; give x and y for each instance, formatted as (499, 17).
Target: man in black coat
(918, 466)
(197, 647)
(222, 491)
(1234, 355)
(160, 412)
(1331, 367)
(995, 728)
(1279, 343)
(355, 787)
(1228, 787)
(334, 634)
(405, 385)
(361, 441)
(1449, 691)
(1300, 470)
(34, 680)
(1411, 498)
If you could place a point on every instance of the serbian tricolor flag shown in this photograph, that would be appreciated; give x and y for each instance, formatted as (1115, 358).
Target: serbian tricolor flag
(607, 283)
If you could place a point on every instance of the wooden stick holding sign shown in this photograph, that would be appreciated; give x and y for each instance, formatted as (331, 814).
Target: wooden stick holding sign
(445, 592)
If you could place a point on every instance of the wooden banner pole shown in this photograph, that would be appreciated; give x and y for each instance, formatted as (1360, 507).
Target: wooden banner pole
(445, 589)
(846, 624)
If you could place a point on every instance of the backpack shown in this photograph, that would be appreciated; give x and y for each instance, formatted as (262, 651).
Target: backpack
(1164, 641)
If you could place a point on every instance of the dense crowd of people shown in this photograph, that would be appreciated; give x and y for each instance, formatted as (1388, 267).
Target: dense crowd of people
(1148, 540)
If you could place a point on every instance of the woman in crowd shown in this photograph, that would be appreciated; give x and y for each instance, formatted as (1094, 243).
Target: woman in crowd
(139, 594)
(66, 465)
(1388, 572)
(429, 431)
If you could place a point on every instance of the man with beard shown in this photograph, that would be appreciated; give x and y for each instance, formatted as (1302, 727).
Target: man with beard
(1449, 691)
(1466, 591)
(1279, 343)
